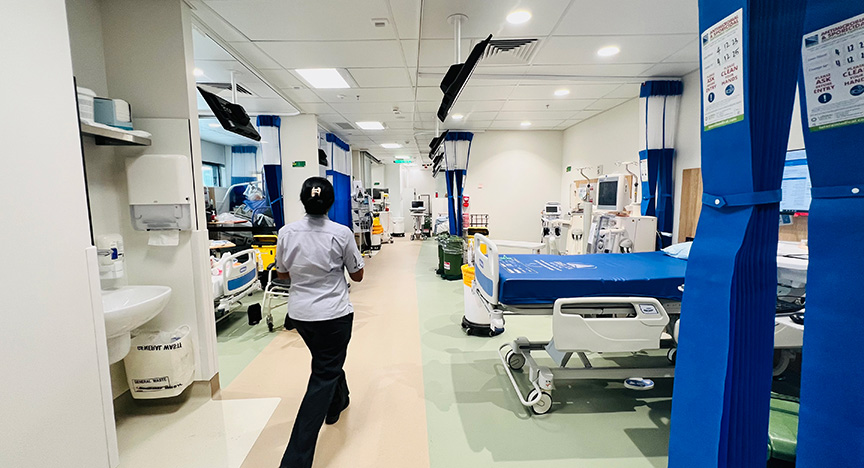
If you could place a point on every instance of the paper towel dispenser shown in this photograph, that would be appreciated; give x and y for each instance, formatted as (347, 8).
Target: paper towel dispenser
(160, 192)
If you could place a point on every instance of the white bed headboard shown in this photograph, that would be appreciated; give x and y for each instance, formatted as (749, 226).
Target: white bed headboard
(486, 267)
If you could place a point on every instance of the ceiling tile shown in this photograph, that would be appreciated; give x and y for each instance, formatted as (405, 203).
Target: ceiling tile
(277, 20)
(254, 55)
(689, 53)
(469, 125)
(586, 114)
(207, 49)
(489, 17)
(381, 77)
(578, 73)
(672, 69)
(316, 108)
(517, 125)
(485, 93)
(577, 91)
(360, 95)
(634, 49)
(282, 78)
(570, 105)
(406, 107)
(429, 93)
(467, 107)
(301, 95)
(629, 90)
(631, 17)
(335, 54)
(406, 17)
(606, 104)
(545, 115)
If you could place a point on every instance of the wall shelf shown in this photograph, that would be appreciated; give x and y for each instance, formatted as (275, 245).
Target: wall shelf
(108, 137)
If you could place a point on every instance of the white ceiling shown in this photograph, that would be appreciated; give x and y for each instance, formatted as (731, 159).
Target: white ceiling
(401, 65)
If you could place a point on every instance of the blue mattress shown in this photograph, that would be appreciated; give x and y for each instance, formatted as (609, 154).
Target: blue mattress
(541, 279)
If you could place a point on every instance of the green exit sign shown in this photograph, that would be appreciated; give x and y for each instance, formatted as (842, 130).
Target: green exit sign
(569, 168)
(402, 161)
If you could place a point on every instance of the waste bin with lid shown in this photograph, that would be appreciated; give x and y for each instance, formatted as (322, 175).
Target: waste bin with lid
(442, 240)
(453, 251)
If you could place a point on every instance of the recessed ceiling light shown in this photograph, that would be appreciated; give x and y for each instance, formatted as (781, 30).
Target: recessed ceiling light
(391, 145)
(518, 17)
(370, 125)
(608, 51)
(562, 92)
(323, 78)
(198, 72)
(526, 124)
(457, 116)
(214, 125)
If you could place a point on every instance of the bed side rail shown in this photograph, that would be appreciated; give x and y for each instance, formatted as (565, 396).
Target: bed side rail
(486, 268)
(238, 277)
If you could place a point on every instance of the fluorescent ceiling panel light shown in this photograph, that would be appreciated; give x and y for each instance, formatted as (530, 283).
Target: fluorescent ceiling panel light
(608, 51)
(562, 92)
(526, 124)
(391, 145)
(370, 125)
(457, 116)
(323, 78)
(198, 72)
(519, 17)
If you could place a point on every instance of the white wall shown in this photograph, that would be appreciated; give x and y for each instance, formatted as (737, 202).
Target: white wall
(299, 143)
(688, 142)
(602, 140)
(56, 405)
(215, 153)
(511, 175)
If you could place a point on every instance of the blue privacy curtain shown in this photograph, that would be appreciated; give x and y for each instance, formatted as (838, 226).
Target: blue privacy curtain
(244, 164)
(457, 149)
(339, 158)
(831, 424)
(658, 103)
(750, 51)
(271, 152)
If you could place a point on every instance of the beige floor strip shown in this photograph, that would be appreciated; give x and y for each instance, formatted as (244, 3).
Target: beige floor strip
(385, 426)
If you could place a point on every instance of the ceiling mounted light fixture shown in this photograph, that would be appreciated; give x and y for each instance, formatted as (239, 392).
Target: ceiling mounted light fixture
(519, 17)
(457, 116)
(391, 145)
(608, 51)
(562, 92)
(323, 78)
(370, 125)
(525, 124)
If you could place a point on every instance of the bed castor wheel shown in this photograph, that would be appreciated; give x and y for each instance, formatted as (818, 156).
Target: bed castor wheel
(543, 405)
(515, 361)
(638, 383)
(672, 354)
(270, 323)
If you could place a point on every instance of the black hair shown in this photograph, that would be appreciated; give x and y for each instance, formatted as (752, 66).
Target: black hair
(317, 195)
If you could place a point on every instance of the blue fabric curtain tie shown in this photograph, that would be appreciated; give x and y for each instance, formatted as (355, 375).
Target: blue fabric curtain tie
(840, 191)
(742, 199)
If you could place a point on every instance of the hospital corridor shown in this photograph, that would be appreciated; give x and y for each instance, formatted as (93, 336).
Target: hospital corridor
(431, 233)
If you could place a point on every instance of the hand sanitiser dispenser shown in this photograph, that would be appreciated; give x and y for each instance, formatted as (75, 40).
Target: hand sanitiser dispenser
(160, 196)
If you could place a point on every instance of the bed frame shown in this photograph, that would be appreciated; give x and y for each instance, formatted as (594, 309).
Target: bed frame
(580, 325)
(237, 281)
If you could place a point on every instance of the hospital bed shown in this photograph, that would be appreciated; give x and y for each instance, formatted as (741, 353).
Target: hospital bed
(600, 303)
(233, 277)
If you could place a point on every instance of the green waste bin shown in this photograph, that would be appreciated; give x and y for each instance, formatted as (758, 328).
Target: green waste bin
(452, 258)
(442, 240)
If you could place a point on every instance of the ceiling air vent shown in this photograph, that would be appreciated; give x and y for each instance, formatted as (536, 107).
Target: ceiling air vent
(345, 125)
(510, 51)
(227, 87)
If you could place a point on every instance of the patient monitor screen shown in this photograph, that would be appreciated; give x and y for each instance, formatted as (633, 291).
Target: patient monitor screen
(607, 194)
(796, 183)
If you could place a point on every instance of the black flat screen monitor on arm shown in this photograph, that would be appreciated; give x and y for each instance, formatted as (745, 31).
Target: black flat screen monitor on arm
(232, 116)
(457, 76)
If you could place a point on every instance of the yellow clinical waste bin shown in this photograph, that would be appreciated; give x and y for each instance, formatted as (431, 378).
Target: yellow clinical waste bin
(265, 246)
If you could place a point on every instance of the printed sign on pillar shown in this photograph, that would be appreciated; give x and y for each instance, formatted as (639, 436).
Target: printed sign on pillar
(833, 60)
(723, 72)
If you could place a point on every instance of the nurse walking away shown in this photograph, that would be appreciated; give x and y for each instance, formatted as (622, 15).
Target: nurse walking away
(312, 253)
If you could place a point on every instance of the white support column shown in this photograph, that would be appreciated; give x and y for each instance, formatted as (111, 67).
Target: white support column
(300, 146)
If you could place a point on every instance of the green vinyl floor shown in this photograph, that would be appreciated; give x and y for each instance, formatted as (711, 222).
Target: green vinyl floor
(474, 418)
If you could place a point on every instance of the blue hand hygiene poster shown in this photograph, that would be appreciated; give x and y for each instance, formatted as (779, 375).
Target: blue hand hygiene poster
(834, 74)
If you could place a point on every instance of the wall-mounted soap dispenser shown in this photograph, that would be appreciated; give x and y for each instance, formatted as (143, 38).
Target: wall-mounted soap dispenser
(160, 195)
(112, 261)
